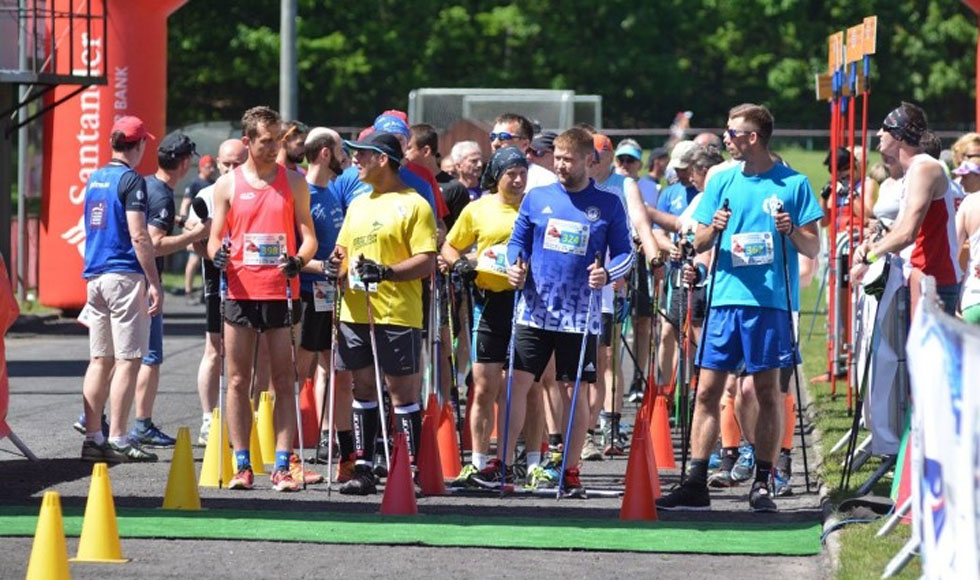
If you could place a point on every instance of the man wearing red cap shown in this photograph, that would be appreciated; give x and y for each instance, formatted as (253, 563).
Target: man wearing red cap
(123, 291)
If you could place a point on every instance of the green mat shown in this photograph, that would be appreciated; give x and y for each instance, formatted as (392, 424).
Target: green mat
(796, 539)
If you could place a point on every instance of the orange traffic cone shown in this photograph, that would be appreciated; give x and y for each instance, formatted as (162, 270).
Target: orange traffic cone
(663, 444)
(467, 437)
(307, 411)
(642, 482)
(448, 444)
(49, 555)
(399, 497)
(429, 462)
(432, 408)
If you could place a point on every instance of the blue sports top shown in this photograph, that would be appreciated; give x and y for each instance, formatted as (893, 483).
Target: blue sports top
(559, 233)
(111, 191)
(750, 263)
(328, 216)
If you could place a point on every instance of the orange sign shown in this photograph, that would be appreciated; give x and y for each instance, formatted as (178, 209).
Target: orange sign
(870, 34)
(835, 51)
(855, 43)
(76, 133)
(824, 86)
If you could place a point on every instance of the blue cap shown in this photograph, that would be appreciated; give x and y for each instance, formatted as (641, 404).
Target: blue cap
(627, 149)
(391, 124)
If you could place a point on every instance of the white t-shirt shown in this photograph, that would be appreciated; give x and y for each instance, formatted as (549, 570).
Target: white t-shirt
(538, 176)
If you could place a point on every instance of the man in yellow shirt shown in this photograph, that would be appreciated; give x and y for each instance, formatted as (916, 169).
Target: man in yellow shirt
(389, 240)
(487, 223)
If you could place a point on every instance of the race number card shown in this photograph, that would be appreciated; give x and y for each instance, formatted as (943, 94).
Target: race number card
(566, 237)
(752, 249)
(263, 249)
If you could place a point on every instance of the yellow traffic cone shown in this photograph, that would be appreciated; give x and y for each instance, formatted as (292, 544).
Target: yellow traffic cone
(100, 535)
(267, 429)
(255, 450)
(181, 492)
(210, 466)
(49, 556)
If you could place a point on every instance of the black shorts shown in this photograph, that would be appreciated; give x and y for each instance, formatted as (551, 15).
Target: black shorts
(212, 312)
(495, 313)
(641, 296)
(678, 305)
(534, 346)
(316, 328)
(398, 348)
(607, 329)
(261, 314)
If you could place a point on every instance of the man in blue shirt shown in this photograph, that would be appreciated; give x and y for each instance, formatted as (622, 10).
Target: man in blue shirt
(558, 232)
(123, 290)
(748, 328)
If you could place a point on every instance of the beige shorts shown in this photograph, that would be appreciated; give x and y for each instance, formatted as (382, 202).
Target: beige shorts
(116, 314)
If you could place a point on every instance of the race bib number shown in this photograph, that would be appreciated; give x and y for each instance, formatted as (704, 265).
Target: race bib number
(263, 249)
(752, 249)
(566, 237)
(493, 260)
(355, 280)
(324, 296)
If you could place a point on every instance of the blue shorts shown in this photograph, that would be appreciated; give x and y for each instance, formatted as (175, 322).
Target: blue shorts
(747, 338)
(154, 355)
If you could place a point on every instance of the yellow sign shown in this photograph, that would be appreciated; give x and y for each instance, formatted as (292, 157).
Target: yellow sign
(825, 89)
(855, 43)
(870, 34)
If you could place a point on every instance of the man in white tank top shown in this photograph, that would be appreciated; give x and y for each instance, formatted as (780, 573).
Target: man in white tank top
(927, 221)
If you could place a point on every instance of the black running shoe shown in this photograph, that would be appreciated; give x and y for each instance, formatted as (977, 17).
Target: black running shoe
(760, 499)
(361, 484)
(489, 477)
(131, 453)
(688, 496)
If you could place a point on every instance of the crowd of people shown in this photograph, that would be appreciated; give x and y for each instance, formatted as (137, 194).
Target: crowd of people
(533, 259)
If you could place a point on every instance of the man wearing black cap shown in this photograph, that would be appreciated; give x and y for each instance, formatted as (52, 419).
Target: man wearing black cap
(174, 158)
(541, 160)
(925, 232)
(388, 244)
(650, 183)
(123, 290)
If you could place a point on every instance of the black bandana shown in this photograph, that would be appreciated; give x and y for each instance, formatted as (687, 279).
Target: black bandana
(899, 126)
(501, 160)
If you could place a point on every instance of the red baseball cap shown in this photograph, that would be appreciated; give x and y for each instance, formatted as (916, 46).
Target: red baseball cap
(132, 129)
(396, 113)
(602, 142)
(364, 133)
(204, 161)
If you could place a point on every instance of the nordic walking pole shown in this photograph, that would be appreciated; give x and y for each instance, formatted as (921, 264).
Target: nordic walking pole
(332, 385)
(222, 383)
(292, 352)
(686, 372)
(578, 382)
(453, 369)
(377, 371)
(436, 336)
(793, 345)
(504, 456)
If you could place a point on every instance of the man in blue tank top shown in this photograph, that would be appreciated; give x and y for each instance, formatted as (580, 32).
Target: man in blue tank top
(123, 292)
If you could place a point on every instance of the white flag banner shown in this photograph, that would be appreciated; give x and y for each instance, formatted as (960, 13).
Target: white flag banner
(945, 455)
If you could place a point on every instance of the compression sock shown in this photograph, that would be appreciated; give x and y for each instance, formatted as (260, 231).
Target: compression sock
(698, 472)
(730, 432)
(282, 459)
(763, 469)
(365, 431)
(789, 421)
(729, 455)
(409, 421)
(242, 459)
(345, 439)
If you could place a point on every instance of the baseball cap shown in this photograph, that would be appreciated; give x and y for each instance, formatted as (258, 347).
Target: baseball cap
(843, 158)
(682, 155)
(396, 113)
(132, 129)
(658, 152)
(176, 145)
(544, 141)
(379, 142)
(627, 149)
(204, 161)
(601, 142)
(387, 123)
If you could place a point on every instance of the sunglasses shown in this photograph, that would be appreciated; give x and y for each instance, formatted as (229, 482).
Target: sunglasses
(502, 136)
(534, 153)
(732, 133)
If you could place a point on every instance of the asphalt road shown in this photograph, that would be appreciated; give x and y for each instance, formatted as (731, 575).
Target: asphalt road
(47, 360)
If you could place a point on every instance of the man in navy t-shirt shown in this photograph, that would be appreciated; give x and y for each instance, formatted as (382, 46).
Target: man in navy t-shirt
(558, 233)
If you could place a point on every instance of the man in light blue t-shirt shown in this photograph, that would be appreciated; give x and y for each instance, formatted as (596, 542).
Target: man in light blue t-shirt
(748, 328)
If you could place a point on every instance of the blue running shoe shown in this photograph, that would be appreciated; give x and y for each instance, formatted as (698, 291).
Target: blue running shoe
(80, 425)
(714, 461)
(151, 437)
(744, 469)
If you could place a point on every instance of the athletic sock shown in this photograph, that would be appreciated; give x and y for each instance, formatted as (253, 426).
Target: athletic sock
(345, 439)
(533, 458)
(242, 459)
(119, 441)
(479, 460)
(785, 460)
(143, 424)
(763, 469)
(409, 421)
(729, 455)
(282, 459)
(365, 431)
(554, 440)
(97, 437)
(698, 473)
(206, 418)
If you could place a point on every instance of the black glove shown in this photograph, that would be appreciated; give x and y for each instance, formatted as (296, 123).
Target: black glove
(331, 270)
(293, 265)
(465, 270)
(222, 257)
(372, 272)
(825, 192)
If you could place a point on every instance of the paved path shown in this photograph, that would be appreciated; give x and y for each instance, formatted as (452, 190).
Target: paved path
(46, 363)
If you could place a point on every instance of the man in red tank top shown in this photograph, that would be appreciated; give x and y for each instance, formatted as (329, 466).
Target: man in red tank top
(928, 221)
(261, 236)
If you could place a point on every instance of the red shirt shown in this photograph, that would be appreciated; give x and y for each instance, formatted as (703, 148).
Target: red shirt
(442, 210)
